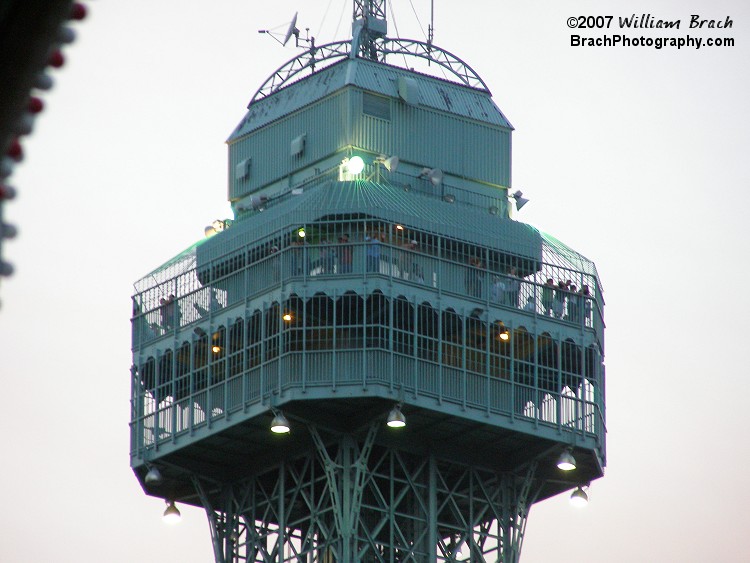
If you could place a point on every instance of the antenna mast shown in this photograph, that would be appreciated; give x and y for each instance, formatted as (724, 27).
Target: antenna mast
(431, 27)
(368, 26)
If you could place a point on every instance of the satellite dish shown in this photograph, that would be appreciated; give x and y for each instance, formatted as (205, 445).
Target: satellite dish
(292, 30)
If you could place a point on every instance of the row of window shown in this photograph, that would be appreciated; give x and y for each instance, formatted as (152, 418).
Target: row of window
(319, 324)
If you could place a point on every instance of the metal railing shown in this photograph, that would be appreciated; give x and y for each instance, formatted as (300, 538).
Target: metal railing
(184, 299)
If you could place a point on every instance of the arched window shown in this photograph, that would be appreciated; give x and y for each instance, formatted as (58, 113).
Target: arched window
(547, 362)
(182, 384)
(523, 356)
(349, 317)
(319, 322)
(403, 326)
(452, 349)
(254, 339)
(476, 344)
(236, 346)
(165, 376)
(148, 375)
(218, 355)
(571, 365)
(293, 318)
(272, 328)
(377, 320)
(200, 361)
(427, 326)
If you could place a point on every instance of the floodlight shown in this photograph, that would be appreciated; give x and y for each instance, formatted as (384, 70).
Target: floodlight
(579, 498)
(171, 514)
(390, 163)
(355, 165)
(520, 200)
(279, 424)
(434, 175)
(566, 462)
(153, 477)
(396, 418)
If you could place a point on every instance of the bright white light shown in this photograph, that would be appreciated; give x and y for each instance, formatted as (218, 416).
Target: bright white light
(579, 498)
(566, 462)
(355, 165)
(171, 514)
(396, 418)
(279, 424)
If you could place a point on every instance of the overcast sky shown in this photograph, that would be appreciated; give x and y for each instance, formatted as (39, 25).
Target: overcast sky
(636, 157)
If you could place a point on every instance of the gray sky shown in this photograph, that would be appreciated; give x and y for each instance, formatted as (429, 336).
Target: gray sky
(633, 156)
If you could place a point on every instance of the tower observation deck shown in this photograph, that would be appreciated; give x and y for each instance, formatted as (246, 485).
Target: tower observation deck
(373, 272)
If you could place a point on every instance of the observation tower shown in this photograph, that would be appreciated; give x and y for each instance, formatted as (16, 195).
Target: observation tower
(425, 359)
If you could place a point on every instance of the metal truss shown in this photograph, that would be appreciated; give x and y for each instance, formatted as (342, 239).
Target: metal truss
(350, 499)
(316, 55)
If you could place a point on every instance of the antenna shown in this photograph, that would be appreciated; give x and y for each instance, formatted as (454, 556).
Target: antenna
(290, 30)
(431, 27)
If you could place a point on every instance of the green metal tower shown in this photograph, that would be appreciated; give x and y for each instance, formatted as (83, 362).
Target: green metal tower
(373, 275)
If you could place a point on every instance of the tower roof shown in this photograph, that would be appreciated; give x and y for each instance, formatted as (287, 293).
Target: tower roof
(377, 77)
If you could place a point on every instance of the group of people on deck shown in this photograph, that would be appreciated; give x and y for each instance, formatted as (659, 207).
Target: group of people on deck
(565, 301)
(562, 300)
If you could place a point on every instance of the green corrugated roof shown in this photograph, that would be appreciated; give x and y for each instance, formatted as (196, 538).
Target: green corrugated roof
(385, 202)
(434, 93)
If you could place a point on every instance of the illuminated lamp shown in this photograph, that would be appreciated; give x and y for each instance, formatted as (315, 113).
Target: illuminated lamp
(355, 165)
(396, 418)
(566, 462)
(171, 514)
(579, 498)
(279, 424)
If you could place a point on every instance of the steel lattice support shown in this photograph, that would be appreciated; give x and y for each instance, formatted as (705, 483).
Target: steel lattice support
(350, 499)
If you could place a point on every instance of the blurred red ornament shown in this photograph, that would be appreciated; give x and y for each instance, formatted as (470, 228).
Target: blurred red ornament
(36, 105)
(56, 59)
(78, 11)
(15, 151)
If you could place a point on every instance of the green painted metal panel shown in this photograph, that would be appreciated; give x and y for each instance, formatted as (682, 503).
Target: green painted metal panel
(325, 125)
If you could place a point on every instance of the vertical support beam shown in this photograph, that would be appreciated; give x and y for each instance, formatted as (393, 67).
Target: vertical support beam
(346, 481)
(432, 536)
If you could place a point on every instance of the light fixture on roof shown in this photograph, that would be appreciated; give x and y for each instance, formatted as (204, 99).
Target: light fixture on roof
(449, 198)
(566, 461)
(279, 424)
(216, 227)
(579, 498)
(520, 200)
(354, 165)
(390, 163)
(434, 175)
(396, 418)
(171, 514)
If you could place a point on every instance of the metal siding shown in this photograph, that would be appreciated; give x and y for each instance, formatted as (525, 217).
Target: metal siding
(418, 135)
(456, 146)
(269, 147)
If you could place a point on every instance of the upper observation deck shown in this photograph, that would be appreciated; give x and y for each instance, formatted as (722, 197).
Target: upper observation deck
(395, 292)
